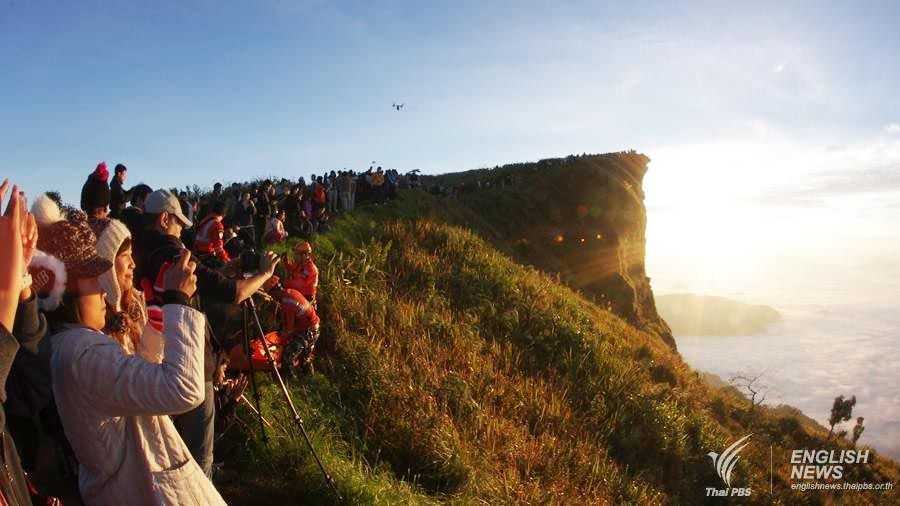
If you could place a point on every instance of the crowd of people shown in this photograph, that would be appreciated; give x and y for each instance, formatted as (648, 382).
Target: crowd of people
(122, 331)
(269, 211)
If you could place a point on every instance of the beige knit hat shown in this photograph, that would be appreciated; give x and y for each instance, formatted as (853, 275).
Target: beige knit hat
(110, 236)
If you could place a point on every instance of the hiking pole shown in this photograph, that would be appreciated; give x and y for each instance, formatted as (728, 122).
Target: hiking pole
(249, 355)
(287, 395)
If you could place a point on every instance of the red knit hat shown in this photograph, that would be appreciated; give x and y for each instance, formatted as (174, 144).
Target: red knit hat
(95, 192)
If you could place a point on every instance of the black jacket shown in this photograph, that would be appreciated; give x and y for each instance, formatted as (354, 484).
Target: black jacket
(133, 218)
(30, 328)
(118, 197)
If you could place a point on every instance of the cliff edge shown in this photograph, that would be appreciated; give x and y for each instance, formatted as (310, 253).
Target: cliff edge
(579, 217)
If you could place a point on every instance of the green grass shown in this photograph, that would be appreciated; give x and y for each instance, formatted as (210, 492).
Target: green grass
(449, 373)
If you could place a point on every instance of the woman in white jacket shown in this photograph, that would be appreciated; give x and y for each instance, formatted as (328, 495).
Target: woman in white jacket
(112, 404)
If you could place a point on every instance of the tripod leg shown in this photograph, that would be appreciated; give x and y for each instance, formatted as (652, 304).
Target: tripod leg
(252, 372)
(256, 412)
(287, 396)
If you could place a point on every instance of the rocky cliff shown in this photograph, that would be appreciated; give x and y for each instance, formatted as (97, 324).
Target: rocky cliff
(581, 217)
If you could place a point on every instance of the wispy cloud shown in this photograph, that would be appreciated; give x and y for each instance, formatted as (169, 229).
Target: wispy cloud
(868, 168)
(892, 128)
(855, 181)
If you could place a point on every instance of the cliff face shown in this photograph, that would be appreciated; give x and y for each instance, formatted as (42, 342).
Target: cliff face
(581, 217)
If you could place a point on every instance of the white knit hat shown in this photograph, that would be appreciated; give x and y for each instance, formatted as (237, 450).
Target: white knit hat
(109, 241)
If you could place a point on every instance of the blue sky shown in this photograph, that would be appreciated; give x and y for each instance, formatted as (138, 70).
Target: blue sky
(803, 97)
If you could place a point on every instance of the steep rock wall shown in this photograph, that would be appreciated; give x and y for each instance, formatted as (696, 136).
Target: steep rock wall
(581, 217)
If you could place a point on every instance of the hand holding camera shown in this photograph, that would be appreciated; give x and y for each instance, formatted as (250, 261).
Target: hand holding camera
(180, 277)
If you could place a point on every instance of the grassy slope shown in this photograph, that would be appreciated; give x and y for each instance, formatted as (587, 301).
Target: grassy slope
(450, 373)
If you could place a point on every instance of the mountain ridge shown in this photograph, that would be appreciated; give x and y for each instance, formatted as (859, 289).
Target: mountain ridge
(452, 371)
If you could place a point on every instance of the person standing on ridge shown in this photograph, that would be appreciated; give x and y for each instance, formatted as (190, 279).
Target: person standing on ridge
(95, 193)
(118, 196)
(320, 198)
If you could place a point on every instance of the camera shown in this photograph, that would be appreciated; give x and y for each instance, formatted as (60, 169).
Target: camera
(250, 260)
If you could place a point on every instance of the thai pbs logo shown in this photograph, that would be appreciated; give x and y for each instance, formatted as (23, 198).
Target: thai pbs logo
(724, 463)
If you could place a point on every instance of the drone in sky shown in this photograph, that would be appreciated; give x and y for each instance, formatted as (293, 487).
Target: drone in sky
(398, 106)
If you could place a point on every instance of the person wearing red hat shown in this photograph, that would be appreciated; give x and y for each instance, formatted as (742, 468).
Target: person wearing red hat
(114, 406)
(95, 194)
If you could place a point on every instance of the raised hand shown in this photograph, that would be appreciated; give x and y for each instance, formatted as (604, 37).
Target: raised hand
(12, 259)
(268, 262)
(29, 235)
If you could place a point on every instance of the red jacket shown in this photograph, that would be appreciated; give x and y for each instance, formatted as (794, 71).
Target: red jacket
(303, 278)
(319, 193)
(209, 238)
(299, 314)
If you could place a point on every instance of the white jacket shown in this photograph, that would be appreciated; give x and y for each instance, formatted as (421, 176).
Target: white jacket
(113, 408)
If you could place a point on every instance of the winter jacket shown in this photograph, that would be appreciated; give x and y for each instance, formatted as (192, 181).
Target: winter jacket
(113, 408)
(118, 197)
(304, 278)
(209, 239)
(299, 314)
(319, 193)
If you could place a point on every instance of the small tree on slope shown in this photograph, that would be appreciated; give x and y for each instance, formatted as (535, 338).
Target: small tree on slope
(841, 411)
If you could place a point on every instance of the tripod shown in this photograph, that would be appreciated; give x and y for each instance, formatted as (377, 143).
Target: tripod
(251, 307)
